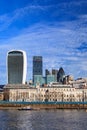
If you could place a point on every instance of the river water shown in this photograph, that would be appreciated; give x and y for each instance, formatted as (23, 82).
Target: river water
(43, 120)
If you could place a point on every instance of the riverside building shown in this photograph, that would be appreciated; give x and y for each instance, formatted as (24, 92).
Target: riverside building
(19, 92)
(54, 92)
(16, 67)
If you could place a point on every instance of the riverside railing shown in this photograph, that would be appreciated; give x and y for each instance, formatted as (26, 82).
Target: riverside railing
(39, 102)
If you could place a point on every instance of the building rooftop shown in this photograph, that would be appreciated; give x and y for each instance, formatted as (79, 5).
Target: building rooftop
(56, 84)
(19, 86)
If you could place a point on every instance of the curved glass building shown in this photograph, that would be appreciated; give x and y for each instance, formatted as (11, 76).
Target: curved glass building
(16, 67)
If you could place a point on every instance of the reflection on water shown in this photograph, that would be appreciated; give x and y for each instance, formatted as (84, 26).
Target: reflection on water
(43, 120)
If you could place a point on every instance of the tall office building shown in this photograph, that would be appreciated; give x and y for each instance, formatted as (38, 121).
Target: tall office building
(37, 66)
(54, 72)
(50, 76)
(47, 72)
(60, 75)
(16, 67)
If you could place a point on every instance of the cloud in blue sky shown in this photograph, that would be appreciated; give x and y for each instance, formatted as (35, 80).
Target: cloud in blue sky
(56, 30)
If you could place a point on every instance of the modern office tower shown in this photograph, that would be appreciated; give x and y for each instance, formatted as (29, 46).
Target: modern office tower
(37, 66)
(60, 75)
(16, 67)
(39, 80)
(54, 72)
(50, 76)
(50, 79)
(47, 72)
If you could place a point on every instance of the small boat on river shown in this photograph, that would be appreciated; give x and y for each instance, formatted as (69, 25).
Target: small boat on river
(25, 108)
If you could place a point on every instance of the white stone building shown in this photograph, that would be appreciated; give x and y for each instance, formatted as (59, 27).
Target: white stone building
(64, 93)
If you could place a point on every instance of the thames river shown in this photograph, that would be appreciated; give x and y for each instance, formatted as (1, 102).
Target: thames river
(43, 120)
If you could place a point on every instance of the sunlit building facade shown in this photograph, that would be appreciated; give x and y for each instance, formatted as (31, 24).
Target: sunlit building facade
(55, 92)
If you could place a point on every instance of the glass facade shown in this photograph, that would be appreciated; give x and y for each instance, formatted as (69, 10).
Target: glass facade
(50, 78)
(15, 63)
(37, 66)
(39, 79)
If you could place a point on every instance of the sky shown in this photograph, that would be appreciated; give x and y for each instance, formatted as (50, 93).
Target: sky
(53, 29)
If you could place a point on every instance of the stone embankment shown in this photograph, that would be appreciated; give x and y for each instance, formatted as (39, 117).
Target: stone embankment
(37, 106)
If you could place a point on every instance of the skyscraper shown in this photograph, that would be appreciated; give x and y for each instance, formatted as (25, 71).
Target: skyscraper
(16, 67)
(60, 75)
(51, 76)
(47, 72)
(37, 66)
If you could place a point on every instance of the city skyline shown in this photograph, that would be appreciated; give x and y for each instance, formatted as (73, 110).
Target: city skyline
(55, 30)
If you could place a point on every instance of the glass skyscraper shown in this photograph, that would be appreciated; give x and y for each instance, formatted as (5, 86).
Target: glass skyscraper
(16, 67)
(37, 66)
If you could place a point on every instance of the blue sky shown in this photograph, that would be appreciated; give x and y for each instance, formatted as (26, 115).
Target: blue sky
(54, 29)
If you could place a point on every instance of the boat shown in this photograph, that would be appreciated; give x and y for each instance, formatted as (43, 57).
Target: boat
(25, 108)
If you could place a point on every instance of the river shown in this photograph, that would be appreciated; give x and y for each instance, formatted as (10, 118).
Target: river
(43, 120)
